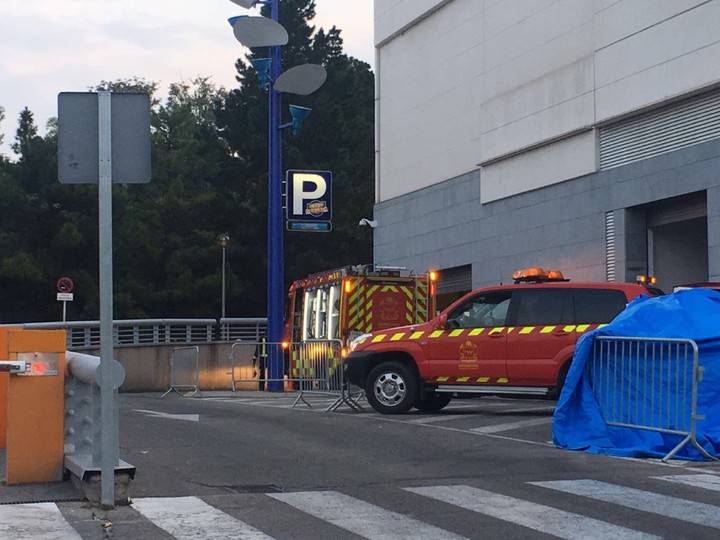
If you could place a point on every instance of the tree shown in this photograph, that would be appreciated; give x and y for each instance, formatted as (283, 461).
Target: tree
(2, 117)
(209, 149)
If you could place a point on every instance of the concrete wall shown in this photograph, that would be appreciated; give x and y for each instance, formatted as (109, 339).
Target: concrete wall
(464, 82)
(148, 368)
(558, 226)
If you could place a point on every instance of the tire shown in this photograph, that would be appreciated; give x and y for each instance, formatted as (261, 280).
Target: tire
(391, 388)
(555, 394)
(433, 402)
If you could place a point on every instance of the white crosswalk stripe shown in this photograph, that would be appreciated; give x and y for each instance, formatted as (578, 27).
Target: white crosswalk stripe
(40, 521)
(638, 499)
(704, 481)
(534, 516)
(360, 517)
(188, 518)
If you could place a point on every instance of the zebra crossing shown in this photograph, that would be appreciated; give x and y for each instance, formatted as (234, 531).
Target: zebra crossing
(555, 508)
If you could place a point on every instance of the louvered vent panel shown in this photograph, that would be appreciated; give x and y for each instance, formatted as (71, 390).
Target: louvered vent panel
(458, 279)
(610, 257)
(677, 126)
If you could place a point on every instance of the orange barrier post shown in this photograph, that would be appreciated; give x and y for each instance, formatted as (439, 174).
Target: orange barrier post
(4, 380)
(35, 403)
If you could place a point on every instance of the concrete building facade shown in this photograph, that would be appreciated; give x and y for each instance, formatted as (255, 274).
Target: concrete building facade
(582, 135)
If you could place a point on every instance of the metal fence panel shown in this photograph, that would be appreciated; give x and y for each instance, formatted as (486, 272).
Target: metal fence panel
(649, 384)
(184, 370)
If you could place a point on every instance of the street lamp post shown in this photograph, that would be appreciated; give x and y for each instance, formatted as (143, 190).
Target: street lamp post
(223, 240)
(301, 80)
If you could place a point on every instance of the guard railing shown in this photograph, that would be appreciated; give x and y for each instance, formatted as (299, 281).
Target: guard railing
(184, 371)
(648, 384)
(84, 335)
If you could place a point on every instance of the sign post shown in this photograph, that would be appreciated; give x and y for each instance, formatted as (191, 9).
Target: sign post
(104, 138)
(65, 287)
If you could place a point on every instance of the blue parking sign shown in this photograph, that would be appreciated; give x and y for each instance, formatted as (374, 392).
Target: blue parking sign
(309, 200)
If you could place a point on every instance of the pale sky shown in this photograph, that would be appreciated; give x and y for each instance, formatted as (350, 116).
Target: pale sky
(50, 46)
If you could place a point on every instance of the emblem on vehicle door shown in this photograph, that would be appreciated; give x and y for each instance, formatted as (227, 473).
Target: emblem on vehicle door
(468, 355)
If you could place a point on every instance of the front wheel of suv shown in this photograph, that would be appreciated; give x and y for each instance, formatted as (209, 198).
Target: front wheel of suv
(391, 388)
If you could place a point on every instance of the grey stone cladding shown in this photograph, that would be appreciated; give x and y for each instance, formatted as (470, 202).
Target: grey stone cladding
(560, 226)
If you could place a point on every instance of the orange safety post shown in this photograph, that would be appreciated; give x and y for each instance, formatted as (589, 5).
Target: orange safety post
(35, 407)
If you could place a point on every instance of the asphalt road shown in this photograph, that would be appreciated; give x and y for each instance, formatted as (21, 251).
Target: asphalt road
(252, 467)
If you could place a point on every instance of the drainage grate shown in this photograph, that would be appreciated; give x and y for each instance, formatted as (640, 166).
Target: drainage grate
(255, 488)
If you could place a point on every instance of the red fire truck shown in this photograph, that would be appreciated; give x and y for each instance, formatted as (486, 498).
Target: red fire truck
(344, 303)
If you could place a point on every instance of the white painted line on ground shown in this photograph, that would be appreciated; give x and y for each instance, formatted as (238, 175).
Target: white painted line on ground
(184, 417)
(637, 499)
(530, 410)
(189, 518)
(534, 516)
(704, 481)
(360, 517)
(439, 418)
(499, 428)
(41, 521)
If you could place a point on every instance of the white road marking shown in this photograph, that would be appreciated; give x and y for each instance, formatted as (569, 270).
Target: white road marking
(646, 501)
(498, 428)
(534, 516)
(530, 410)
(705, 481)
(184, 417)
(360, 517)
(189, 518)
(439, 418)
(41, 521)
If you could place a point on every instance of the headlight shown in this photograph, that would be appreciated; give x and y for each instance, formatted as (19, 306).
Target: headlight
(358, 341)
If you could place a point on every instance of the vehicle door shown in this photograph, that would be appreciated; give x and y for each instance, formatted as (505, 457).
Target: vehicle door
(471, 348)
(543, 335)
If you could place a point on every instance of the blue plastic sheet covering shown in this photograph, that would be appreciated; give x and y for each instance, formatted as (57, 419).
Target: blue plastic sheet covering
(578, 422)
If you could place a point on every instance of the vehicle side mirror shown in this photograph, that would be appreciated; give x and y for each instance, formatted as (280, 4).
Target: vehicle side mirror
(442, 321)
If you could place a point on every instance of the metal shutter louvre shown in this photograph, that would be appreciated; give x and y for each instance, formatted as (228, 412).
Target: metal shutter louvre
(610, 257)
(683, 124)
(457, 279)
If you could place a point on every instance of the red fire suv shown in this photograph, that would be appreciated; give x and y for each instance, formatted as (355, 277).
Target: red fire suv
(508, 339)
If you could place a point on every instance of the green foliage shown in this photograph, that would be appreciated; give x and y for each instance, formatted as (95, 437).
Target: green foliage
(209, 178)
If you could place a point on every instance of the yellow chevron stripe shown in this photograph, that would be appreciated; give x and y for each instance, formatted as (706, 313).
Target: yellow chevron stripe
(569, 328)
(502, 380)
(408, 306)
(463, 379)
(397, 337)
(601, 325)
(476, 331)
(369, 305)
(582, 328)
(378, 338)
(547, 330)
(408, 318)
(436, 334)
(527, 330)
(511, 330)
(483, 379)
(443, 379)
(417, 335)
(456, 333)
(408, 292)
(497, 330)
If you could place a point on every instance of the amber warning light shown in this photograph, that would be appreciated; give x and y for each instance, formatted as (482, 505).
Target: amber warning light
(433, 275)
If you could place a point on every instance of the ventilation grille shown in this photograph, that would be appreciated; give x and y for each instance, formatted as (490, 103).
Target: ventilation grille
(610, 258)
(678, 126)
(453, 280)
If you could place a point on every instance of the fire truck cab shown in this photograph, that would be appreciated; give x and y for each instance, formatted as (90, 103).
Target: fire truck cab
(345, 303)
(508, 339)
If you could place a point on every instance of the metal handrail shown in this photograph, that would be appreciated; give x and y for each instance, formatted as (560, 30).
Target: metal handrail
(85, 335)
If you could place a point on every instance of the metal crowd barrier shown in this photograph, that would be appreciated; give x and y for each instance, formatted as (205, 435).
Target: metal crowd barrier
(319, 370)
(184, 371)
(649, 384)
(314, 367)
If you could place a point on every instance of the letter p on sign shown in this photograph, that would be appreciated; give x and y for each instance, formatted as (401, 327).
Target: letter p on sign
(309, 196)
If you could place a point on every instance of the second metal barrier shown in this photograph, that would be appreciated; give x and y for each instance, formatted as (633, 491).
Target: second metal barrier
(649, 384)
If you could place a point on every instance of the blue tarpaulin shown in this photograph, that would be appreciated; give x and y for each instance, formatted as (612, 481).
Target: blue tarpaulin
(578, 422)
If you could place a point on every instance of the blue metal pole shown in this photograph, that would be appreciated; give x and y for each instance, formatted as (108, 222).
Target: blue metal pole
(275, 263)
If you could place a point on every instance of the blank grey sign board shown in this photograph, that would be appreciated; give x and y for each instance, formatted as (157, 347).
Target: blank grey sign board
(78, 138)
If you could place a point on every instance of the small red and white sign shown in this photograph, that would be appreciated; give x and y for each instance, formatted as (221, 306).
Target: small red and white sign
(65, 296)
(65, 285)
